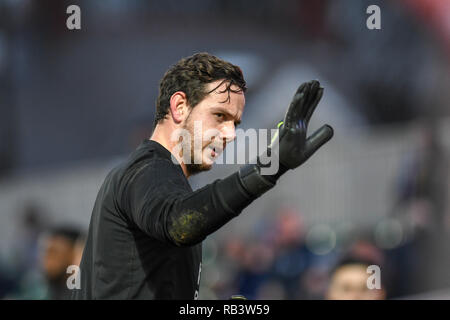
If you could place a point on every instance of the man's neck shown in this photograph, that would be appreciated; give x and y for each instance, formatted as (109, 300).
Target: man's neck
(161, 137)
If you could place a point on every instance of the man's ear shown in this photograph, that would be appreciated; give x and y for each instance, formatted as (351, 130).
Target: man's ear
(179, 106)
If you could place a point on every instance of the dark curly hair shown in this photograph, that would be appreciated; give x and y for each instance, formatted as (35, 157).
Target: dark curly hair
(190, 75)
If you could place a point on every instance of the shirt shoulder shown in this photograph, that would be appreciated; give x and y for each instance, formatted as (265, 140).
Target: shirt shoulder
(150, 168)
(155, 161)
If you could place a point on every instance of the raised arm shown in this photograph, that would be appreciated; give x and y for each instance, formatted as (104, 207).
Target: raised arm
(186, 218)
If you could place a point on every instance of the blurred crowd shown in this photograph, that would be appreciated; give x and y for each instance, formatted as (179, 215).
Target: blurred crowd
(68, 97)
(281, 263)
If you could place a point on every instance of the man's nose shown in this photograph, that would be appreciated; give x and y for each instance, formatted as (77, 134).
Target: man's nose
(228, 133)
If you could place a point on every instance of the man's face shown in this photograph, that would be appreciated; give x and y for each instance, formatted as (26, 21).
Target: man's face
(349, 282)
(56, 257)
(212, 124)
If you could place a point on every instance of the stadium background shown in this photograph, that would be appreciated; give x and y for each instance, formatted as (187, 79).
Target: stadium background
(75, 103)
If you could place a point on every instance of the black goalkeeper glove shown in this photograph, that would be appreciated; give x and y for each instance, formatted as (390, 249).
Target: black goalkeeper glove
(292, 148)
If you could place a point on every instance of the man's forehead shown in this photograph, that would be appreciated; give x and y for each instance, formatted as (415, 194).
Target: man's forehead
(223, 100)
(221, 86)
(222, 96)
(228, 102)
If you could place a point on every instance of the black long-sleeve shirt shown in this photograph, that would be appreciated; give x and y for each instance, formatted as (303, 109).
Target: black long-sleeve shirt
(147, 226)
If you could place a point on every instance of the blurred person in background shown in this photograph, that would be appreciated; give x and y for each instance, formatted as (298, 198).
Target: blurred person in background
(423, 181)
(32, 223)
(292, 256)
(348, 280)
(60, 249)
(22, 262)
(255, 269)
(421, 204)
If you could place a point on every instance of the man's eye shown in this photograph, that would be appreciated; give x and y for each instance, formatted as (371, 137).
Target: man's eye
(219, 115)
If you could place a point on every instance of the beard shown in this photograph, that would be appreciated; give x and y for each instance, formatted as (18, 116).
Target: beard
(194, 168)
(194, 165)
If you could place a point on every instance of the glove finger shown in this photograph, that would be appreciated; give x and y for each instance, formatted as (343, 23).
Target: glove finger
(318, 139)
(292, 114)
(302, 107)
(314, 87)
(314, 104)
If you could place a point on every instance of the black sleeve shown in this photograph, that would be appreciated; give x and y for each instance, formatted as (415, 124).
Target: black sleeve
(153, 199)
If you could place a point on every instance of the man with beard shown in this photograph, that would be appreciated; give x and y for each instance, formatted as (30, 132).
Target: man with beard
(147, 224)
